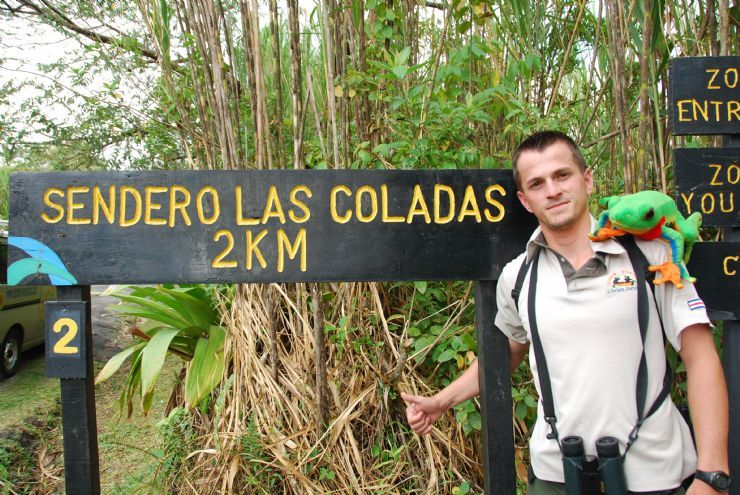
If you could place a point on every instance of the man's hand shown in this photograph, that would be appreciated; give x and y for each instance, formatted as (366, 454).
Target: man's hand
(700, 488)
(422, 412)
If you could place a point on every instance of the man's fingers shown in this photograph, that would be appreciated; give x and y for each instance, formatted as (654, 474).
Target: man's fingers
(409, 399)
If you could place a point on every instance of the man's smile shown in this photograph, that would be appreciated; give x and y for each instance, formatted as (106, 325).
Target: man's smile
(558, 205)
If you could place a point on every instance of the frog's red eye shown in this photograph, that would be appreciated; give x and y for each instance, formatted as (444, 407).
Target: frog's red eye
(649, 214)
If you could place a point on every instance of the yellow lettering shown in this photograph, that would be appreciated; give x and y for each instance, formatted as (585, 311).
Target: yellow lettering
(717, 169)
(273, 208)
(179, 205)
(438, 218)
(373, 204)
(218, 261)
(710, 84)
(333, 204)
(253, 249)
(72, 206)
(50, 204)
(704, 207)
(201, 207)
(726, 265)
(469, 206)
(122, 220)
(704, 111)
(687, 201)
(150, 205)
(733, 174)
(733, 109)
(682, 111)
(731, 71)
(497, 204)
(62, 345)
(300, 204)
(418, 206)
(240, 220)
(300, 242)
(384, 216)
(731, 207)
(717, 112)
(109, 210)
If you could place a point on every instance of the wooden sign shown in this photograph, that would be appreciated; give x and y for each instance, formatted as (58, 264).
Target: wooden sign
(66, 349)
(263, 226)
(704, 95)
(716, 265)
(708, 181)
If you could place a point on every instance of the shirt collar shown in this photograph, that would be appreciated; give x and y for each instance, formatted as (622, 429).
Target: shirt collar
(608, 246)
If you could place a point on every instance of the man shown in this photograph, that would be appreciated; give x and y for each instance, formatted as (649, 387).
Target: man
(591, 340)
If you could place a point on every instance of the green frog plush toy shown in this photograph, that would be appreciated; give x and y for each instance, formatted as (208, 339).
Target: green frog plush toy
(652, 215)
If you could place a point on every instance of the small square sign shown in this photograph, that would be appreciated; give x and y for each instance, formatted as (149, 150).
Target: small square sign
(66, 350)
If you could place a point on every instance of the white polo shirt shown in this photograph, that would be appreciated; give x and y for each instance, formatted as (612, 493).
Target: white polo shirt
(591, 339)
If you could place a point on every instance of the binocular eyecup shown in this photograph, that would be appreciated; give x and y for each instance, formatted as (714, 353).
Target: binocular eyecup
(593, 475)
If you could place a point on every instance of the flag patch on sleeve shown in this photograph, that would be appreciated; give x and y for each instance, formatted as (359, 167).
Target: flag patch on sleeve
(695, 304)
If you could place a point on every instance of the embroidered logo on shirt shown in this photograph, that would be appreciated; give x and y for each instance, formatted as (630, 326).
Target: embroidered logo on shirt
(621, 281)
(695, 304)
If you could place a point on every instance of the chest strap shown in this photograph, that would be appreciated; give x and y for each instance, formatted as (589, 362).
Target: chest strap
(644, 279)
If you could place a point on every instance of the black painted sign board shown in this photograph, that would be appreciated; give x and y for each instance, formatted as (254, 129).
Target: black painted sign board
(66, 348)
(704, 95)
(263, 226)
(716, 266)
(708, 181)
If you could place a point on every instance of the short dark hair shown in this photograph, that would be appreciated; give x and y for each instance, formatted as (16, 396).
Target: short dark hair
(538, 142)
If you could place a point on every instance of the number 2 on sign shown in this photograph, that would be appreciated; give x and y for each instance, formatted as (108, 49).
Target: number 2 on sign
(62, 346)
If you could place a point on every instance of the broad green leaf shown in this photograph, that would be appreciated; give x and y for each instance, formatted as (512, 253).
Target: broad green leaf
(152, 359)
(446, 356)
(147, 314)
(206, 368)
(400, 71)
(115, 363)
(421, 286)
(201, 311)
(175, 318)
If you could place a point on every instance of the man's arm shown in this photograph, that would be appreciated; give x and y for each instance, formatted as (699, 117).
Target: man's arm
(708, 401)
(422, 412)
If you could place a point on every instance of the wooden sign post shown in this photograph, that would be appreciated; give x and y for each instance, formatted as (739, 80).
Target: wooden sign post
(704, 98)
(79, 229)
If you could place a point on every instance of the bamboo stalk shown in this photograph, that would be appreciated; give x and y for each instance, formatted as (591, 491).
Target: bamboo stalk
(299, 112)
(275, 29)
(329, 77)
(322, 406)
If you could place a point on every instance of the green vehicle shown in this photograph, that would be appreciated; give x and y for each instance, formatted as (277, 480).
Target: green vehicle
(21, 314)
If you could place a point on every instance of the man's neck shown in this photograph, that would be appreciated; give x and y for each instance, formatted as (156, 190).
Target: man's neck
(571, 242)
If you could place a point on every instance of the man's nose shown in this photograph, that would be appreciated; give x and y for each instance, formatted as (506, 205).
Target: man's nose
(552, 188)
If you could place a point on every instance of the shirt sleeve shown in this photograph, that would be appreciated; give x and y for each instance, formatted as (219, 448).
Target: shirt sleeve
(679, 308)
(507, 316)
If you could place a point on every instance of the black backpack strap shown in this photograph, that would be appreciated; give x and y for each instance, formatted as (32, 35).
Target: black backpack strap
(548, 406)
(523, 269)
(644, 279)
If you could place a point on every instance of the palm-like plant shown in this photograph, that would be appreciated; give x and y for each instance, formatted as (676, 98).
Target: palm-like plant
(179, 320)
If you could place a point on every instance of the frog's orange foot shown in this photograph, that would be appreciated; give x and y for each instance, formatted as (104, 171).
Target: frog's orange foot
(669, 272)
(605, 233)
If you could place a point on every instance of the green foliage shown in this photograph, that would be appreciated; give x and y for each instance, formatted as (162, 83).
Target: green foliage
(179, 320)
(178, 439)
(258, 474)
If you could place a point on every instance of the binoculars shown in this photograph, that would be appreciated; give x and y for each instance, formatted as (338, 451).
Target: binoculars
(593, 475)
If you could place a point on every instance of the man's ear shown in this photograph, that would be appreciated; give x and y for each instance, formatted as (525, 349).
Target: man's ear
(523, 201)
(589, 180)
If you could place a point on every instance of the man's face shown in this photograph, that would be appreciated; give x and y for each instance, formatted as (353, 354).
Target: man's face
(553, 186)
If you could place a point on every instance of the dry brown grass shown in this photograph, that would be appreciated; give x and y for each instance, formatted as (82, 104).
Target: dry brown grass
(366, 446)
